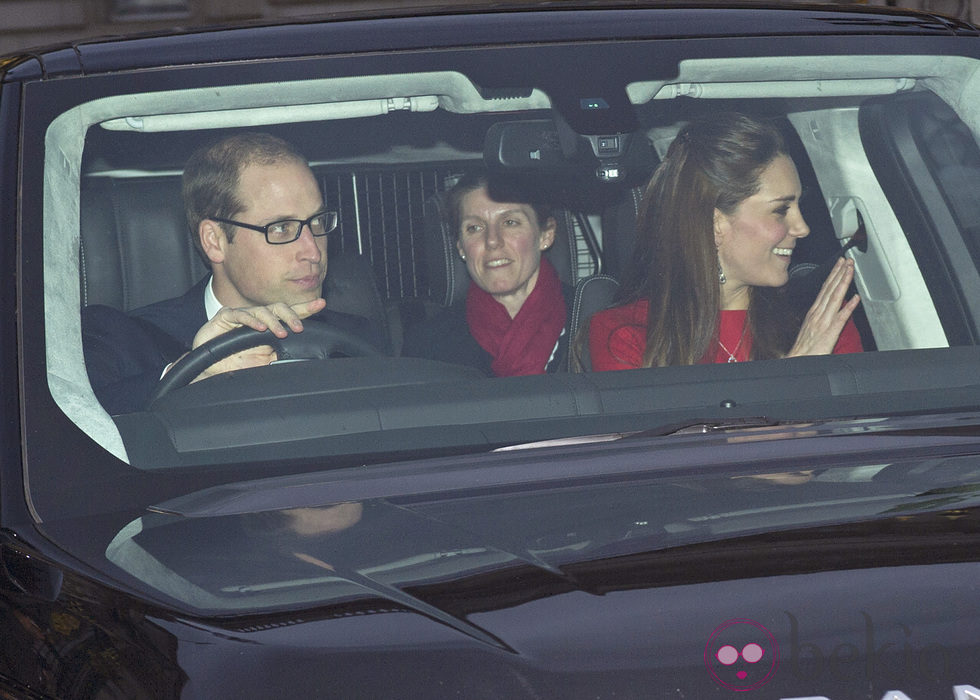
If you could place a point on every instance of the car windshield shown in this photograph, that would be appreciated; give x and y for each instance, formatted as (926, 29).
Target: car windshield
(879, 157)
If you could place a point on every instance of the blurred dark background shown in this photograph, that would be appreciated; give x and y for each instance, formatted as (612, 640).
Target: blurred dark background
(28, 23)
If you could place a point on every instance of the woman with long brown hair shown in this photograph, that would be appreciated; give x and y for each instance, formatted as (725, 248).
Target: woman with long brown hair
(717, 226)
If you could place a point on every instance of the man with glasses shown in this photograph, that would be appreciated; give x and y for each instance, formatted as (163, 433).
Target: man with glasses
(258, 218)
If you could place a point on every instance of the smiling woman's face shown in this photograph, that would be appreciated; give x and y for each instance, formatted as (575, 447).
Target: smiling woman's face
(501, 243)
(756, 240)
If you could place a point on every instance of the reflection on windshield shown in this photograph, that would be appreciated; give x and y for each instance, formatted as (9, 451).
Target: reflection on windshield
(317, 522)
(397, 550)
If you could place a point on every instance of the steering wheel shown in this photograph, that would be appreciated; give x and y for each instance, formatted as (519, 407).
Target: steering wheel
(317, 341)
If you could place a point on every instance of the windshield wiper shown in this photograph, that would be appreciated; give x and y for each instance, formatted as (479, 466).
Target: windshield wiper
(660, 431)
(712, 426)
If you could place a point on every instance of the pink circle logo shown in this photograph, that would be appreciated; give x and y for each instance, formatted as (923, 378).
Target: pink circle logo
(741, 654)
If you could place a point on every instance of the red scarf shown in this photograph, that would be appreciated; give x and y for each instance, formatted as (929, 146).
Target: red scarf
(524, 344)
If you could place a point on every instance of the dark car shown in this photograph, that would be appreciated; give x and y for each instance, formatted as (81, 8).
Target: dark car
(384, 525)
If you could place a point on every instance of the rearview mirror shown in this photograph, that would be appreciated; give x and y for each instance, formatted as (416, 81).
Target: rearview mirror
(545, 145)
(526, 145)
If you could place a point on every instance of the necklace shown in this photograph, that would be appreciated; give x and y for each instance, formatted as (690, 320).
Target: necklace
(731, 353)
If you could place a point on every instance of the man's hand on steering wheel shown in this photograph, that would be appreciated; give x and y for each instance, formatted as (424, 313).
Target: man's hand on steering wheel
(260, 318)
(318, 341)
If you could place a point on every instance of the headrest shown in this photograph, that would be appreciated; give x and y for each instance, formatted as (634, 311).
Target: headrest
(135, 247)
(351, 287)
(619, 222)
(592, 294)
(448, 278)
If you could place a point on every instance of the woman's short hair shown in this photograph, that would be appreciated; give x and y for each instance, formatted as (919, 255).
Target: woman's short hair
(500, 189)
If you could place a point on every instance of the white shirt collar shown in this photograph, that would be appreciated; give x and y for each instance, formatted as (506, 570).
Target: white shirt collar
(211, 303)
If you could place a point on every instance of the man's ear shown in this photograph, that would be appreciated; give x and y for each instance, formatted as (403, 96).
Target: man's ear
(213, 240)
(548, 234)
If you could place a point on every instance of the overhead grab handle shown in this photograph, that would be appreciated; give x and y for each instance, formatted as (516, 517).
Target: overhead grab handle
(262, 116)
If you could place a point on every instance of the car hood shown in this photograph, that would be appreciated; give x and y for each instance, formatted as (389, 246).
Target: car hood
(618, 570)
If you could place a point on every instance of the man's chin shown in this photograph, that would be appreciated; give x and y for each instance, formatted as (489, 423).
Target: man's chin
(304, 298)
(295, 298)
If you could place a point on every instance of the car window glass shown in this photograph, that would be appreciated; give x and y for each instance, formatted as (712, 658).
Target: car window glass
(381, 188)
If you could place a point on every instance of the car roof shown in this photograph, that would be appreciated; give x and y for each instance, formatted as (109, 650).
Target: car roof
(442, 26)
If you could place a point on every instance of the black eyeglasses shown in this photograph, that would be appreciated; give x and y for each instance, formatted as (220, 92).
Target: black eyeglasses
(288, 230)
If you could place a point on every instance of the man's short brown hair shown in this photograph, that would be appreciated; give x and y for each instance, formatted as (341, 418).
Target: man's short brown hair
(212, 174)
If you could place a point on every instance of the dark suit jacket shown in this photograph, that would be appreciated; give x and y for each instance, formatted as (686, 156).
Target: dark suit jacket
(126, 353)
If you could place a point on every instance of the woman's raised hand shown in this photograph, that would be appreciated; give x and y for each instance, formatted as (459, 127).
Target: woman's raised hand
(825, 320)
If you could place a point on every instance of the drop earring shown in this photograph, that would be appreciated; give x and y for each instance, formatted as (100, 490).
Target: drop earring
(721, 274)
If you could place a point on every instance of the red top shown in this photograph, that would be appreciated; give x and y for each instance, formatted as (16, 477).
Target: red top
(617, 337)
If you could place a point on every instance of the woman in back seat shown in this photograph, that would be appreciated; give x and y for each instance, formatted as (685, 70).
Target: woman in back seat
(516, 313)
(717, 226)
